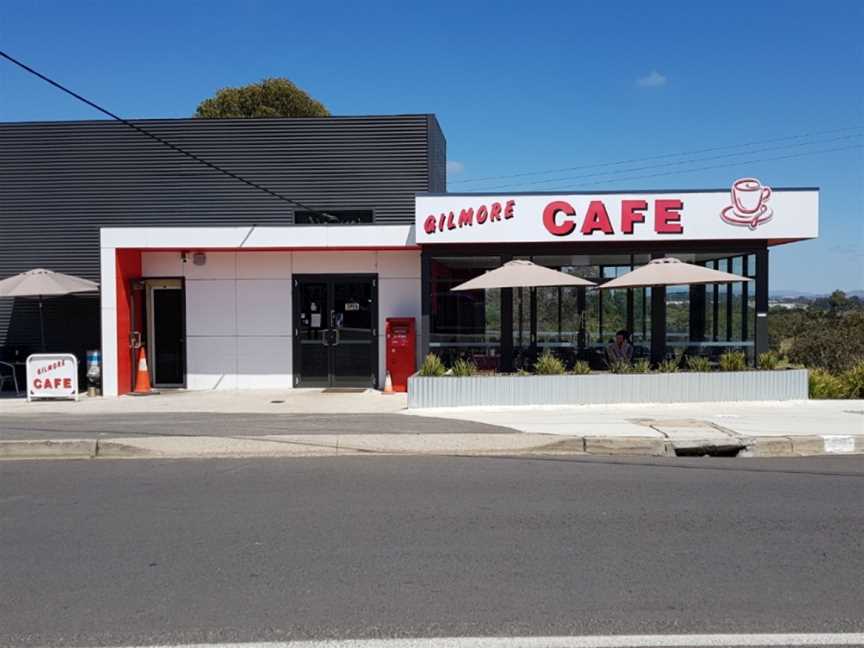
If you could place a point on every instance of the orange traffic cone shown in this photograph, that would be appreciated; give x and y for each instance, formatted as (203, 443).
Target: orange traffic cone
(142, 378)
(388, 384)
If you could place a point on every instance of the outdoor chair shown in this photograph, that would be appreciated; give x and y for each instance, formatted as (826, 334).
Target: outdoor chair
(7, 374)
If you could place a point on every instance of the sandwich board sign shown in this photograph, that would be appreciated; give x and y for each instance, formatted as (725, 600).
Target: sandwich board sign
(52, 375)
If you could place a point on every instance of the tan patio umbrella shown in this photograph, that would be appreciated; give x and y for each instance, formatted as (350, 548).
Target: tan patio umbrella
(671, 272)
(521, 273)
(44, 283)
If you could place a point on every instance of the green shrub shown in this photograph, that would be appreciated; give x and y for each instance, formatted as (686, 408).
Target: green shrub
(464, 367)
(641, 366)
(548, 365)
(831, 342)
(669, 365)
(853, 381)
(768, 360)
(733, 361)
(619, 367)
(824, 385)
(698, 363)
(432, 366)
(581, 367)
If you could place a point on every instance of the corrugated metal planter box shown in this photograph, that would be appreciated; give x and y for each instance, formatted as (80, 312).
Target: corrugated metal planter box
(450, 391)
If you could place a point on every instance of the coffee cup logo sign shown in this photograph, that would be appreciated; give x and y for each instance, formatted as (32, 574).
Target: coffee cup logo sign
(749, 206)
(52, 375)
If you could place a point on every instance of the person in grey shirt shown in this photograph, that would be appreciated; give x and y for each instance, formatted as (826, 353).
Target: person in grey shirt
(620, 350)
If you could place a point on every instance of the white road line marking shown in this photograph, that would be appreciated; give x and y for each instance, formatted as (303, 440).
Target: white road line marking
(590, 641)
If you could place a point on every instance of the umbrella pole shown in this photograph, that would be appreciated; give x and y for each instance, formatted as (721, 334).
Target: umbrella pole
(41, 325)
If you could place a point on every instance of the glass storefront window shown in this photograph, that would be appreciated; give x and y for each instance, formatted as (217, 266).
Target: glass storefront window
(464, 324)
(576, 323)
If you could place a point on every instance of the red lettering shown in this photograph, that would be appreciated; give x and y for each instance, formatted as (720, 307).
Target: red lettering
(482, 214)
(429, 225)
(550, 214)
(67, 383)
(441, 222)
(508, 208)
(466, 217)
(450, 223)
(495, 214)
(37, 383)
(596, 218)
(630, 214)
(667, 216)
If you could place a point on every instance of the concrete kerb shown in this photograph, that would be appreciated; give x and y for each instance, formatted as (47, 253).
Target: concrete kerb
(406, 445)
(49, 449)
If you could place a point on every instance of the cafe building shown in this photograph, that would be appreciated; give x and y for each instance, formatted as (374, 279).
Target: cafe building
(228, 287)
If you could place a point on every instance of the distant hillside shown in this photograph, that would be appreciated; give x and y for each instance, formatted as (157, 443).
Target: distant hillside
(798, 294)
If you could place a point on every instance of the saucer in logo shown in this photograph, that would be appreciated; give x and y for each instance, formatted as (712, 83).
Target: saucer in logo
(762, 215)
(749, 208)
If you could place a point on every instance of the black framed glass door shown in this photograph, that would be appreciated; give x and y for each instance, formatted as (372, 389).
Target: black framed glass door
(166, 332)
(335, 331)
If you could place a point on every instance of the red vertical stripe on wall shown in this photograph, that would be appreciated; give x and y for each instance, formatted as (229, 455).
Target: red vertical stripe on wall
(128, 267)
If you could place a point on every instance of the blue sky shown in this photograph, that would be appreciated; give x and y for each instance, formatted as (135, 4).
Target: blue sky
(518, 87)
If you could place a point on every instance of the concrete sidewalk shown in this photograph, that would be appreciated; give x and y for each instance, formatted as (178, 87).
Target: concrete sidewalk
(283, 401)
(279, 424)
(760, 429)
(775, 418)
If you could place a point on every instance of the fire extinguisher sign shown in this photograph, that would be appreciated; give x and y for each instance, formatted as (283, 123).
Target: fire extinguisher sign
(52, 375)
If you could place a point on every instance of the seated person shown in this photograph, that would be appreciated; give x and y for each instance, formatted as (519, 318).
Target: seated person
(620, 350)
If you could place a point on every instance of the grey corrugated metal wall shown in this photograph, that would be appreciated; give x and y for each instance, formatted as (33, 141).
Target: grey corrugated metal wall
(61, 181)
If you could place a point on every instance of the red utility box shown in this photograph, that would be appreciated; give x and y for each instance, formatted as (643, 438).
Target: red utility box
(401, 359)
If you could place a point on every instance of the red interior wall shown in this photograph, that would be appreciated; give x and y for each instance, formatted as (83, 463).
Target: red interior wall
(128, 267)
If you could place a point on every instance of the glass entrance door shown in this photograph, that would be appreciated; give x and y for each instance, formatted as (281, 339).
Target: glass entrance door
(335, 331)
(165, 339)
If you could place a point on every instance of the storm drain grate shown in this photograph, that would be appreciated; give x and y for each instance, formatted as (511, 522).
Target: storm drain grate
(709, 451)
(696, 437)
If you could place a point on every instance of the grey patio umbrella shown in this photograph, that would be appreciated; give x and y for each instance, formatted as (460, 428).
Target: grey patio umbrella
(44, 283)
(521, 273)
(670, 272)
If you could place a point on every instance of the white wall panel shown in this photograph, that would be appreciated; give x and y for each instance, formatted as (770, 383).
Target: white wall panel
(264, 265)
(334, 262)
(162, 264)
(398, 298)
(399, 264)
(264, 362)
(211, 308)
(211, 362)
(264, 307)
(219, 265)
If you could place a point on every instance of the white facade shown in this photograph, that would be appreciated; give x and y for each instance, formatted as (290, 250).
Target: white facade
(239, 302)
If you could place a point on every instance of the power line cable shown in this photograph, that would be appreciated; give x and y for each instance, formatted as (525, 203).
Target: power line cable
(686, 161)
(659, 157)
(710, 167)
(174, 147)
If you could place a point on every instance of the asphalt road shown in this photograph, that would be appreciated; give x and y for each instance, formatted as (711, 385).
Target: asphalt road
(59, 426)
(143, 552)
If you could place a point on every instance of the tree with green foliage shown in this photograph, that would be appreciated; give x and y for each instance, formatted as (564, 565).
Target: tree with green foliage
(272, 97)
